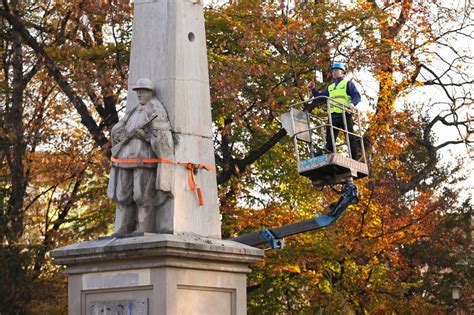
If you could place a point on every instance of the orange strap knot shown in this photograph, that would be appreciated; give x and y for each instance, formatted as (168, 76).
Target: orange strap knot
(192, 171)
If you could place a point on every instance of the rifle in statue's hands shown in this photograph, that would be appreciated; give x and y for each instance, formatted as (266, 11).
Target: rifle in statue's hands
(129, 136)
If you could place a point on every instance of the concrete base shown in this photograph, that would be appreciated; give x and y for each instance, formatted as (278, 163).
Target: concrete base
(158, 274)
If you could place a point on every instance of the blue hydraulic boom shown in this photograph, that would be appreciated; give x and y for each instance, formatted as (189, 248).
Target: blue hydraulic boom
(275, 237)
(323, 165)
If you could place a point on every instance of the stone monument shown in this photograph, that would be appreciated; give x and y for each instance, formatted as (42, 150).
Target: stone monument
(140, 182)
(166, 255)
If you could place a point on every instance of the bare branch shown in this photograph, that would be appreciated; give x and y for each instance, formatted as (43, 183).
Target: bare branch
(53, 70)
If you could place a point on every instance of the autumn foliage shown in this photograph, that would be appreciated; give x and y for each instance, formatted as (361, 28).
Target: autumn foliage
(398, 250)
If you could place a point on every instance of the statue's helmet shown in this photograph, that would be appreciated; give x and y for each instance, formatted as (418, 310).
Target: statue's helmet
(144, 83)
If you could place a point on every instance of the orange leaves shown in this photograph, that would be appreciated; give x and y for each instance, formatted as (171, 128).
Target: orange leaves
(44, 166)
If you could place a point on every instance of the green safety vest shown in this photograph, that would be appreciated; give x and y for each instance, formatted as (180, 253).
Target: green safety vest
(339, 93)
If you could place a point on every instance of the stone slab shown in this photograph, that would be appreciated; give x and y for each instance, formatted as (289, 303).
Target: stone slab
(193, 299)
(157, 274)
(113, 306)
(154, 246)
(116, 279)
(188, 215)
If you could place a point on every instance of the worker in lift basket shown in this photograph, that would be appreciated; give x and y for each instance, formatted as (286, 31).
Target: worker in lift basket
(346, 93)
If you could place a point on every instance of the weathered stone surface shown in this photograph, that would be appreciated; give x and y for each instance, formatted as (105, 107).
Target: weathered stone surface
(110, 250)
(220, 299)
(116, 279)
(169, 47)
(174, 274)
(139, 183)
(185, 215)
(119, 307)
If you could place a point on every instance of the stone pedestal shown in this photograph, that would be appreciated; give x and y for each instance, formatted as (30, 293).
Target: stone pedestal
(157, 274)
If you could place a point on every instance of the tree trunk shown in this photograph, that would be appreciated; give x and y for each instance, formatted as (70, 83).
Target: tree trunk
(17, 144)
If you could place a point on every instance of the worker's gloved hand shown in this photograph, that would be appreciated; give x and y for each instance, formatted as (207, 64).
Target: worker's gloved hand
(311, 85)
(352, 107)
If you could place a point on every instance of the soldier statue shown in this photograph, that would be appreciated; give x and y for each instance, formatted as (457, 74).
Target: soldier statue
(140, 182)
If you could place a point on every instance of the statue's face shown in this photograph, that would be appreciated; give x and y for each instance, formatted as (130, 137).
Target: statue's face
(144, 96)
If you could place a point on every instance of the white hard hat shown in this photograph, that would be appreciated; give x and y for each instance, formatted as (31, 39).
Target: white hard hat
(144, 83)
(338, 65)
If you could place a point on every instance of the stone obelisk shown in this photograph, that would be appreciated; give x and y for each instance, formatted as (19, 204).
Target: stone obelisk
(169, 47)
(186, 268)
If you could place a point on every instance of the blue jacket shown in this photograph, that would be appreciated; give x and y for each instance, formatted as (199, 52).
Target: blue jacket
(351, 91)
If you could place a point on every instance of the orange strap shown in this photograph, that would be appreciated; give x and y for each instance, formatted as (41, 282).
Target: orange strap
(192, 170)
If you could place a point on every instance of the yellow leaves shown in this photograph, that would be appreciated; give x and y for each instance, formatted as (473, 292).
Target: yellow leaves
(94, 53)
(375, 260)
(287, 269)
(376, 222)
(325, 286)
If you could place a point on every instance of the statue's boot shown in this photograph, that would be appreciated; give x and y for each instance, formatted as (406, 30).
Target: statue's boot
(146, 220)
(127, 226)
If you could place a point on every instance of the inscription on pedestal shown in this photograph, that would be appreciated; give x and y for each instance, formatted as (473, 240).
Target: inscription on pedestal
(116, 279)
(119, 307)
